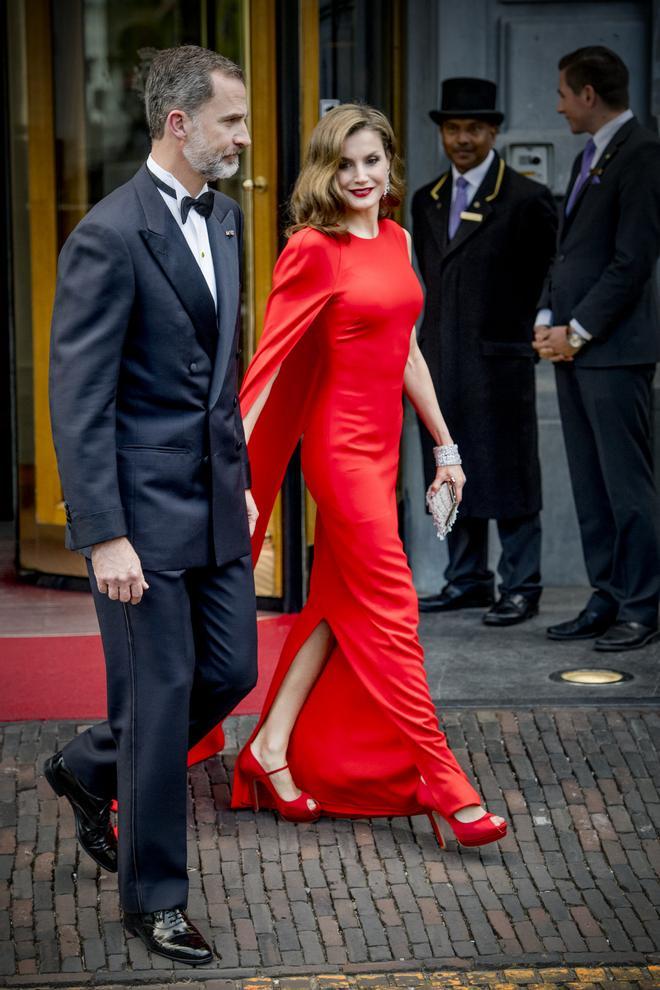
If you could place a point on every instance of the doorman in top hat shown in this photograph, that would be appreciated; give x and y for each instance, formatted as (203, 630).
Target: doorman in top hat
(484, 236)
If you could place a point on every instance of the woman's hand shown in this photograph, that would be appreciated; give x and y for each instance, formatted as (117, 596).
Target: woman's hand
(453, 473)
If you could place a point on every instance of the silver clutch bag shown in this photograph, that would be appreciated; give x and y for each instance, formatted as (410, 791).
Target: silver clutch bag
(443, 507)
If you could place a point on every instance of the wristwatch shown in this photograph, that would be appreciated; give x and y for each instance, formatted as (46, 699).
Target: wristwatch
(575, 339)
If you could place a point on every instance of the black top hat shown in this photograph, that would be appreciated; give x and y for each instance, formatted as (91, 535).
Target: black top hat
(466, 97)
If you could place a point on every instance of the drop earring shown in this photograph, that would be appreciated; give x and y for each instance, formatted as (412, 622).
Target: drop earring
(387, 187)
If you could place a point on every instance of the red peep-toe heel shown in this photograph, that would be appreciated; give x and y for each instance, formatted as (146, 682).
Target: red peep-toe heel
(478, 833)
(292, 811)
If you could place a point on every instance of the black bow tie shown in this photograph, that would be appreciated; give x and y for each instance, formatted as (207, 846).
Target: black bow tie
(203, 204)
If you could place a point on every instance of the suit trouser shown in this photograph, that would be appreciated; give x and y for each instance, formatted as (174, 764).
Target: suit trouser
(606, 419)
(176, 665)
(520, 562)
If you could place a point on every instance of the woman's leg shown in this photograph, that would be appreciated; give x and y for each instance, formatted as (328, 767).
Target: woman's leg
(270, 744)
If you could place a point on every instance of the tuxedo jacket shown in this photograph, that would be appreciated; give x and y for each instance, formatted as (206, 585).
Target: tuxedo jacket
(143, 383)
(603, 273)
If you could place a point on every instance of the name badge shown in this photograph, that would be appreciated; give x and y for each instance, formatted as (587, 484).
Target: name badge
(477, 217)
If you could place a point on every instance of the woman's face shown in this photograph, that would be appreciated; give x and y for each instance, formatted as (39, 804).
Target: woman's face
(363, 170)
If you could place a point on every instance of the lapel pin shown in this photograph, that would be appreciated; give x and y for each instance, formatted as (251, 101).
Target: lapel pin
(230, 233)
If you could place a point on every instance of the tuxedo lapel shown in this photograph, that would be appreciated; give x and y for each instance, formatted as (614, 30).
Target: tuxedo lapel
(169, 248)
(223, 238)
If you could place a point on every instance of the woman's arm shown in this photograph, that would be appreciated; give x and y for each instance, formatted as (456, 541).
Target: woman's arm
(251, 417)
(418, 386)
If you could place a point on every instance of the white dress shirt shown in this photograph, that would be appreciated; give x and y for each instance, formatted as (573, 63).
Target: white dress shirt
(474, 177)
(194, 229)
(601, 139)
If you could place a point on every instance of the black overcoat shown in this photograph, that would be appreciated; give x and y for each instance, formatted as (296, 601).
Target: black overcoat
(482, 288)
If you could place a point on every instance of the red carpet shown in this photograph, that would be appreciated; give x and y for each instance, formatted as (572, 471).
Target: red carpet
(57, 677)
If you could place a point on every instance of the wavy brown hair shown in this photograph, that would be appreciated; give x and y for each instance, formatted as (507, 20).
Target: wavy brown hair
(316, 200)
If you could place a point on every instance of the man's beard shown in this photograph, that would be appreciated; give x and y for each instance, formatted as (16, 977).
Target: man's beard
(205, 161)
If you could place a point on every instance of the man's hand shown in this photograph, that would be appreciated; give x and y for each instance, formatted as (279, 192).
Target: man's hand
(551, 343)
(252, 511)
(118, 571)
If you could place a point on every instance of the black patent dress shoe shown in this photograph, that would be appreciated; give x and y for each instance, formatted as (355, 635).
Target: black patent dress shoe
(92, 814)
(452, 598)
(510, 610)
(587, 625)
(169, 933)
(626, 636)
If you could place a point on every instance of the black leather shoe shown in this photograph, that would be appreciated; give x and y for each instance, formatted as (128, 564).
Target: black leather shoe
(169, 933)
(626, 636)
(587, 625)
(92, 814)
(452, 598)
(510, 610)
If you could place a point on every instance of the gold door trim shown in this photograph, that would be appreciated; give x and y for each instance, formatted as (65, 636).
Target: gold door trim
(263, 111)
(309, 69)
(309, 117)
(262, 217)
(43, 251)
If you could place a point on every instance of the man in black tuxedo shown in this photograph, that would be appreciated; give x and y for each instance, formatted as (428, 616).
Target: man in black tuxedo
(600, 325)
(154, 471)
(484, 237)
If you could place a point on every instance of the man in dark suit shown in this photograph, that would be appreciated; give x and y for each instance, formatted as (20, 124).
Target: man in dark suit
(600, 324)
(484, 237)
(154, 471)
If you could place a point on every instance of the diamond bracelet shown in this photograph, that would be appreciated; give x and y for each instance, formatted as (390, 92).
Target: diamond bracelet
(446, 455)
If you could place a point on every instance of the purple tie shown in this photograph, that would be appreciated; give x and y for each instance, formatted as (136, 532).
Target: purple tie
(459, 204)
(587, 158)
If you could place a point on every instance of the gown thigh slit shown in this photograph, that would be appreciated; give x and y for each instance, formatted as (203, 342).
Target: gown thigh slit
(337, 330)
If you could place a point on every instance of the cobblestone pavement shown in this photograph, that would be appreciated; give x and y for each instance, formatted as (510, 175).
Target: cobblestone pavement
(571, 897)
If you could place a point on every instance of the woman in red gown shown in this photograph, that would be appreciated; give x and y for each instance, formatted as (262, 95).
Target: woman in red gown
(349, 708)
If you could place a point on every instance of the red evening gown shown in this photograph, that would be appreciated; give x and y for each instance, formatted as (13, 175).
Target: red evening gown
(338, 326)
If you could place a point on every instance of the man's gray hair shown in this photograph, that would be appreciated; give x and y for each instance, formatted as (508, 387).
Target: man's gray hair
(180, 79)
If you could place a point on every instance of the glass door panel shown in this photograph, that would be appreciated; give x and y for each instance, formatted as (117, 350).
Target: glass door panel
(358, 60)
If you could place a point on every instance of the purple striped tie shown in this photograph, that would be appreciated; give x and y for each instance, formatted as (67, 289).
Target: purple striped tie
(457, 207)
(587, 158)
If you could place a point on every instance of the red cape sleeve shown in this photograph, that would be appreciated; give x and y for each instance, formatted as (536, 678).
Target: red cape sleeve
(303, 282)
